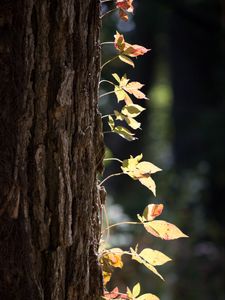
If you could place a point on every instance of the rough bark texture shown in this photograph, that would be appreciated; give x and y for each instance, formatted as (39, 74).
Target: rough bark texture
(50, 150)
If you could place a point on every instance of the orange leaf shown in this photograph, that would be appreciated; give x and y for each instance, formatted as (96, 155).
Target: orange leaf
(125, 4)
(152, 211)
(126, 48)
(123, 15)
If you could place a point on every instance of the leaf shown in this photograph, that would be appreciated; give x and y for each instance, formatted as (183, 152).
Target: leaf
(114, 294)
(129, 120)
(132, 110)
(133, 88)
(164, 230)
(149, 183)
(106, 277)
(148, 297)
(127, 49)
(154, 257)
(126, 60)
(139, 171)
(136, 290)
(116, 77)
(120, 93)
(136, 256)
(152, 211)
(148, 168)
(123, 15)
(125, 5)
(111, 123)
(124, 133)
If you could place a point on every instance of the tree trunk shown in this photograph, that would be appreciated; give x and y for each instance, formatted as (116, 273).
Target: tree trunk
(50, 150)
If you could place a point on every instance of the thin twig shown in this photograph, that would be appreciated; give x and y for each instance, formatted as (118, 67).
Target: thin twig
(105, 116)
(110, 176)
(108, 61)
(105, 94)
(113, 158)
(108, 12)
(104, 80)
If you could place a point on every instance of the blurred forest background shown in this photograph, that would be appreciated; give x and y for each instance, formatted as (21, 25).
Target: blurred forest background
(183, 133)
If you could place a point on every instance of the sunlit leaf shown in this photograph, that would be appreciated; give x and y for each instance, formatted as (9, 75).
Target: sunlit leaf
(147, 168)
(106, 277)
(148, 297)
(125, 5)
(127, 49)
(129, 120)
(149, 183)
(138, 258)
(154, 257)
(132, 110)
(116, 77)
(120, 93)
(136, 290)
(164, 230)
(111, 122)
(131, 167)
(126, 60)
(124, 133)
(152, 211)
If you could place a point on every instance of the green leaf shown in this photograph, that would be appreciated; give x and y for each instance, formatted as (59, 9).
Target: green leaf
(126, 60)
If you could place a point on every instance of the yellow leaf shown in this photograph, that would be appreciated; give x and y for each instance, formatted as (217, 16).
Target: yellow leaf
(148, 297)
(132, 110)
(106, 277)
(111, 123)
(152, 211)
(164, 230)
(154, 257)
(149, 183)
(116, 77)
(147, 167)
(114, 256)
(132, 122)
(136, 256)
(126, 60)
(129, 293)
(120, 93)
(124, 133)
(136, 290)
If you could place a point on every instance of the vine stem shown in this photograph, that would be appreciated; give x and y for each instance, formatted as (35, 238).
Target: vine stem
(105, 94)
(108, 61)
(107, 43)
(110, 176)
(113, 158)
(121, 223)
(105, 116)
(103, 1)
(108, 12)
(104, 80)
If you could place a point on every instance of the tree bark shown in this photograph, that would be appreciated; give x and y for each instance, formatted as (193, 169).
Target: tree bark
(51, 149)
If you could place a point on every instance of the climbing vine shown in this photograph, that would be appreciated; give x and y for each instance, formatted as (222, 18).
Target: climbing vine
(125, 92)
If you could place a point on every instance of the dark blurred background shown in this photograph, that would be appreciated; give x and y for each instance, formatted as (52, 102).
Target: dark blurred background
(183, 133)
